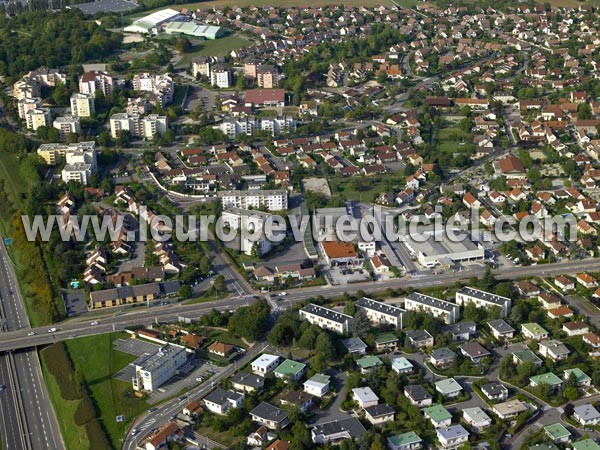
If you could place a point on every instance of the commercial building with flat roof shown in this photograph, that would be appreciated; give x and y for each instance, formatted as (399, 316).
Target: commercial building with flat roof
(194, 29)
(158, 368)
(326, 318)
(438, 249)
(448, 312)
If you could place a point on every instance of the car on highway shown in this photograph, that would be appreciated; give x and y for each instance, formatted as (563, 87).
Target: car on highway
(31, 333)
(283, 294)
(199, 379)
(134, 431)
(2, 387)
(154, 408)
(94, 323)
(52, 330)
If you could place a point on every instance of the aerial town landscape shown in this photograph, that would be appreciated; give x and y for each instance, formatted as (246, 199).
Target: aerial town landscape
(293, 225)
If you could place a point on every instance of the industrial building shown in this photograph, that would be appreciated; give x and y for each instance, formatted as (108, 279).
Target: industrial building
(158, 368)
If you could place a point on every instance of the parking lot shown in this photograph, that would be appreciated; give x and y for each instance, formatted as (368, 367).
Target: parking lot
(75, 302)
(342, 275)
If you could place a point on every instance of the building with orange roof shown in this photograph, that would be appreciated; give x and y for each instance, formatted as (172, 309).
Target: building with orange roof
(340, 253)
(220, 348)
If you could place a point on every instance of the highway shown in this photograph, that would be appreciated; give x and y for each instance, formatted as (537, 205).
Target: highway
(71, 329)
(27, 419)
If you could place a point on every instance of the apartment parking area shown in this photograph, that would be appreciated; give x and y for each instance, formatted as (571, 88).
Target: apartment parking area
(340, 275)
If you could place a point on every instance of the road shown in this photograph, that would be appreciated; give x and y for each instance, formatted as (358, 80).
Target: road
(27, 418)
(118, 321)
(164, 414)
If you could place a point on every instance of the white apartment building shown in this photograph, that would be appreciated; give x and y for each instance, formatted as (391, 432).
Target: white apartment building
(67, 124)
(221, 76)
(326, 318)
(138, 126)
(274, 126)
(82, 105)
(233, 128)
(272, 200)
(483, 299)
(278, 125)
(27, 104)
(52, 152)
(160, 85)
(38, 117)
(448, 312)
(381, 313)
(201, 66)
(158, 368)
(245, 219)
(79, 173)
(93, 81)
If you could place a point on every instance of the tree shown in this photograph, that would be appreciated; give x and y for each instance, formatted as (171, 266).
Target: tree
(571, 393)
(183, 45)
(584, 111)
(184, 292)
(324, 346)
(569, 409)
(241, 84)
(360, 324)
(250, 321)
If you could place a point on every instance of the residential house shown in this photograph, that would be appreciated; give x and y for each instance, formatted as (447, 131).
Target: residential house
(449, 388)
(581, 378)
(265, 364)
(368, 363)
(501, 329)
(337, 430)
(548, 378)
(405, 441)
(442, 357)
(317, 385)
(495, 391)
(575, 328)
(364, 397)
(355, 345)
(401, 365)
(452, 437)
(557, 433)
(247, 382)
(553, 349)
(438, 415)
(522, 356)
(220, 401)
(270, 416)
(386, 341)
(418, 395)
(290, 370)
(420, 338)
(510, 409)
(477, 418)
(534, 331)
(379, 414)
(586, 415)
(298, 399)
(474, 351)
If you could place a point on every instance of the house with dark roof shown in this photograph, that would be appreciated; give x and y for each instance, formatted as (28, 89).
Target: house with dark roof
(270, 416)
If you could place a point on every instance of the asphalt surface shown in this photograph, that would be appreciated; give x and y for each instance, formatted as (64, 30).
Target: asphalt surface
(120, 321)
(27, 419)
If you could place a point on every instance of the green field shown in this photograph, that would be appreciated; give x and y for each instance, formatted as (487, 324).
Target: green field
(98, 362)
(452, 139)
(370, 188)
(220, 46)
(73, 435)
(9, 172)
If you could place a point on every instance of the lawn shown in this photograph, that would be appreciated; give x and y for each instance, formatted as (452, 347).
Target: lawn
(9, 172)
(112, 397)
(452, 139)
(73, 435)
(364, 188)
(220, 46)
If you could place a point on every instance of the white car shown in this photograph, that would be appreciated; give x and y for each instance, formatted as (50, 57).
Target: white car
(283, 294)
(31, 333)
(52, 330)
(95, 322)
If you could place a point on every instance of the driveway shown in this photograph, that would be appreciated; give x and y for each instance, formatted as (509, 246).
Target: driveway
(333, 410)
